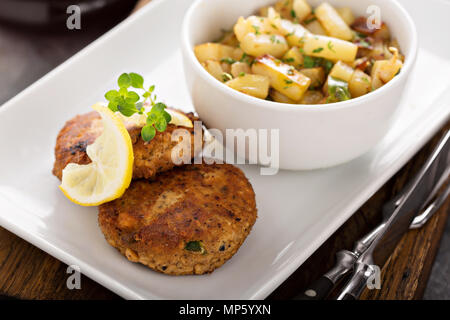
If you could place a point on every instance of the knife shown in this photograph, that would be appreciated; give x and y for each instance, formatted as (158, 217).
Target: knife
(383, 244)
(346, 259)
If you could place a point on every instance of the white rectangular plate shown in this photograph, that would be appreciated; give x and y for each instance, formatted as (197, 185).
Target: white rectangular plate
(297, 211)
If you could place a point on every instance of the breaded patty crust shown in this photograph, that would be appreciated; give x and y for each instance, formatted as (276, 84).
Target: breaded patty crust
(149, 157)
(189, 220)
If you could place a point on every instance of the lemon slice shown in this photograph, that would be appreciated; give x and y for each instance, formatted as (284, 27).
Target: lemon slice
(109, 174)
(179, 119)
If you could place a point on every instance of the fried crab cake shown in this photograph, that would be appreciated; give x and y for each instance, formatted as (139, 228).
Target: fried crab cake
(189, 220)
(149, 157)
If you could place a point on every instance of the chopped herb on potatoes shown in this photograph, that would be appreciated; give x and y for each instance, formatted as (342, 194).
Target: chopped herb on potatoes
(292, 52)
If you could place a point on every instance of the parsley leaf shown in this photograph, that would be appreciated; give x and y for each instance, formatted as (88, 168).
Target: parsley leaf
(129, 102)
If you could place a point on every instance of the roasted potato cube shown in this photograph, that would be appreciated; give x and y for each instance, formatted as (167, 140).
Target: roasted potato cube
(294, 57)
(251, 84)
(253, 24)
(302, 9)
(279, 97)
(312, 97)
(239, 68)
(384, 71)
(346, 15)
(256, 45)
(282, 76)
(359, 84)
(214, 68)
(382, 33)
(341, 71)
(317, 76)
(213, 51)
(226, 67)
(285, 8)
(332, 22)
(330, 48)
(316, 28)
(229, 39)
(294, 33)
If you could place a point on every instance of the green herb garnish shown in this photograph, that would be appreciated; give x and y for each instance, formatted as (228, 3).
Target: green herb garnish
(312, 62)
(308, 21)
(129, 102)
(293, 15)
(317, 50)
(289, 60)
(288, 81)
(256, 29)
(228, 60)
(331, 46)
(241, 74)
(309, 62)
(337, 90)
(226, 77)
(195, 246)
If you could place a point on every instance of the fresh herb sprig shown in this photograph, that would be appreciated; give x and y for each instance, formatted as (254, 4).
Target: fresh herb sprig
(129, 102)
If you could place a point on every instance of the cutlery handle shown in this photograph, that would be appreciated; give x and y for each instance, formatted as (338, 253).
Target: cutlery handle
(318, 290)
(348, 297)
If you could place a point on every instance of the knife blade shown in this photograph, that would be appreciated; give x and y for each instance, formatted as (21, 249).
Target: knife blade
(416, 196)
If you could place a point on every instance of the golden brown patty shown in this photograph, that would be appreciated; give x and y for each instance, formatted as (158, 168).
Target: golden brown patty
(149, 158)
(189, 220)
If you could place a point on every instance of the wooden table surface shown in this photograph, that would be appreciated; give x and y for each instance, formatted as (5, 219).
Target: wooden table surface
(27, 272)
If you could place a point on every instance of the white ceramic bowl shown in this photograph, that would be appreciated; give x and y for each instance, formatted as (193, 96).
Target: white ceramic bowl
(311, 136)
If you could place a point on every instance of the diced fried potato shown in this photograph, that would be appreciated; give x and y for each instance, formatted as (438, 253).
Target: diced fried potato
(380, 51)
(382, 33)
(279, 97)
(312, 97)
(294, 33)
(346, 15)
(330, 48)
(262, 12)
(229, 39)
(359, 84)
(384, 71)
(301, 8)
(332, 22)
(214, 68)
(253, 24)
(213, 51)
(341, 71)
(316, 28)
(226, 67)
(239, 68)
(317, 76)
(237, 54)
(294, 57)
(251, 84)
(282, 77)
(285, 7)
(256, 45)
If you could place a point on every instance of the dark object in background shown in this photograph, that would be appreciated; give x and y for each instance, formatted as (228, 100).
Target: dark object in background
(52, 14)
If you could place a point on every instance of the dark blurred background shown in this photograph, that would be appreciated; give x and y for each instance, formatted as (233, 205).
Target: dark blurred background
(34, 39)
